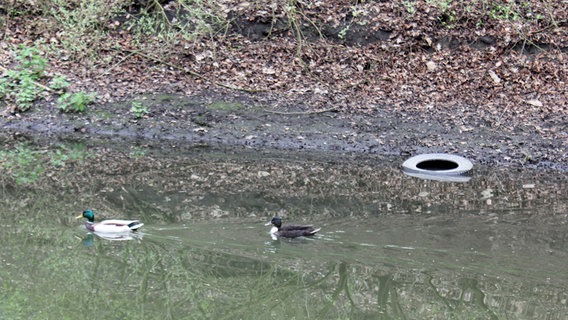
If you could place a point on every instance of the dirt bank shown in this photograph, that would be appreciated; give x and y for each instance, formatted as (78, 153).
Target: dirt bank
(216, 119)
(380, 78)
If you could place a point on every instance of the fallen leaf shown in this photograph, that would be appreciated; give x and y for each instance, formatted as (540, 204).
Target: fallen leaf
(268, 70)
(262, 174)
(534, 102)
(494, 77)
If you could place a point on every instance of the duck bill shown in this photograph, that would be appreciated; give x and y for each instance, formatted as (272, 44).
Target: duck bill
(79, 216)
(268, 223)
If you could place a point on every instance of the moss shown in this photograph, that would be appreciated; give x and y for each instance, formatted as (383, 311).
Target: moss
(225, 106)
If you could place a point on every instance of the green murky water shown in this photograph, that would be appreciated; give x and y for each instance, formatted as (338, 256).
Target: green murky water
(391, 246)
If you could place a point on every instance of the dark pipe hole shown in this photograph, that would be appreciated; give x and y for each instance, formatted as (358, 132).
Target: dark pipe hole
(437, 165)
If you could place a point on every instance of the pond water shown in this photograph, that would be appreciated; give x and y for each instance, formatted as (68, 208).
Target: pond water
(391, 246)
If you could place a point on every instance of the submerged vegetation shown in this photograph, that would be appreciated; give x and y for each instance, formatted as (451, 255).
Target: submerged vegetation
(22, 164)
(193, 261)
(25, 164)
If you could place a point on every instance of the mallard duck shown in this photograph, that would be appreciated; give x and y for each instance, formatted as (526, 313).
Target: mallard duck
(290, 231)
(109, 226)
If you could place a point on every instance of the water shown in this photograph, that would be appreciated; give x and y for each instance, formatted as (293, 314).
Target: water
(391, 246)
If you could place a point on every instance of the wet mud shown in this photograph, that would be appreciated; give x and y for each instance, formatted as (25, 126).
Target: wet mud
(218, 120)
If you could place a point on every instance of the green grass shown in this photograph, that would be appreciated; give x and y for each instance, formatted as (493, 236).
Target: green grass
(24, 84)
(225, 106)
(83, 30)
(82, 25)
(194, 18)
(20, 87)
(454, 12)
(138, 109)
(86, 28)
(75, 102)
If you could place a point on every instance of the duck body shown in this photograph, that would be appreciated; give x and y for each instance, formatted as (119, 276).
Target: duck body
(109, 226)
(291, 230)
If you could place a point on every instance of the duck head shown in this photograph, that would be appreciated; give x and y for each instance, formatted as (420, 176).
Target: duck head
(87, 214)
(276, 221)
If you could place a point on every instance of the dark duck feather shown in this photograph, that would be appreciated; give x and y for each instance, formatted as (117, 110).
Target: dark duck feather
(291, 230)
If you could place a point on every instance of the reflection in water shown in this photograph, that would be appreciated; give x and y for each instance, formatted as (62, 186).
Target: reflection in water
(89, 238)
(120, 236)
(391, 247)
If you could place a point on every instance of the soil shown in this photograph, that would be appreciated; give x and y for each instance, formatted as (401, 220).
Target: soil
(395, 86)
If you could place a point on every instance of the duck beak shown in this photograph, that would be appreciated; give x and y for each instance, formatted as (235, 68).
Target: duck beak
(268, 223)
(79, 216)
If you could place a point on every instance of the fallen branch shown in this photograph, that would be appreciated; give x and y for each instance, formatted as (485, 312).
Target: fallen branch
(302, 112)
(107, 71)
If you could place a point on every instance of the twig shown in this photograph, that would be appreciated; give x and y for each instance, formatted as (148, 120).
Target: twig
(303, 112)
(157, 4)
(116, 64)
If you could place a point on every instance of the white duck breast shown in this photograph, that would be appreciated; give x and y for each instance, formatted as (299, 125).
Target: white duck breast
(112, 226)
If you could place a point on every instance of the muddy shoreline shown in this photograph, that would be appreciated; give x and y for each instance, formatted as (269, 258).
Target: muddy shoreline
(218, 119)
(374, 78)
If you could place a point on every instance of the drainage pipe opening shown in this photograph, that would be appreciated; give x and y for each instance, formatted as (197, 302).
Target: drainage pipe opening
(437, 165)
